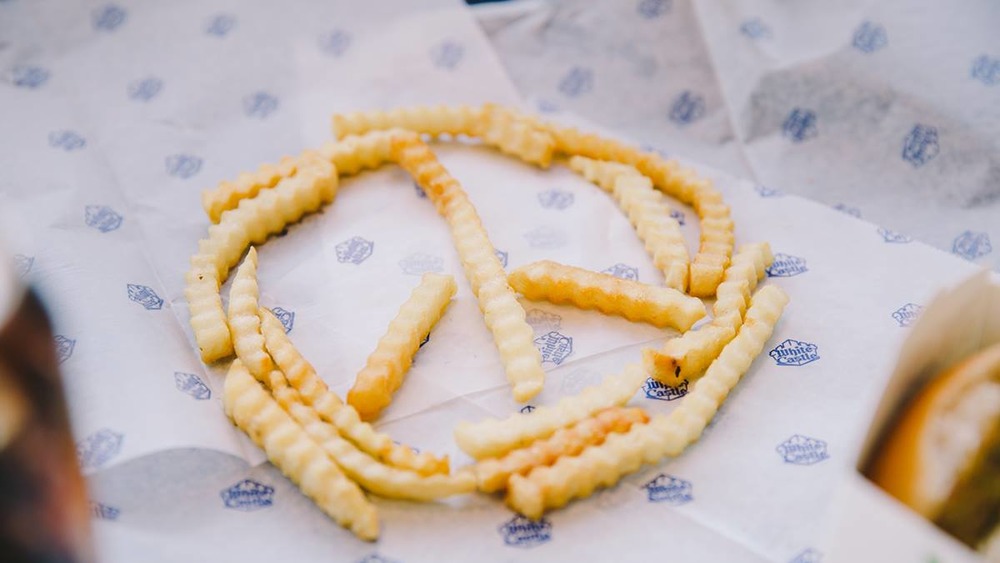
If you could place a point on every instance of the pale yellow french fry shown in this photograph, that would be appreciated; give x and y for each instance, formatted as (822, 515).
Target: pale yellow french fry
(330, 408)
(602, 173)
(244, 322)
(494, 438)
(383, 372)
(492, 474)
(561, 284)
(665, 435)
(505, 130)
(227, 195)
(502, 312)
(297, 456)
(431, 120)
(251, 222)
(354, 153)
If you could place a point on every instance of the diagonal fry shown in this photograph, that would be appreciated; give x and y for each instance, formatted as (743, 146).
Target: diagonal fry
(244, 322)
(507, 131)
(665, 435)
(383, 372)
(494, 438)
(252, 222)
(492, 474)
(296, 455)
(330, 408)
(432, 120)
(561, 284)
(502, 312)
(227, 195)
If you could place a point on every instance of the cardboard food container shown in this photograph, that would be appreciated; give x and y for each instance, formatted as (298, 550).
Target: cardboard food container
(868, 523)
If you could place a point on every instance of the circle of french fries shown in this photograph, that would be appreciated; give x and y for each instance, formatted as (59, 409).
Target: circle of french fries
(547, 457)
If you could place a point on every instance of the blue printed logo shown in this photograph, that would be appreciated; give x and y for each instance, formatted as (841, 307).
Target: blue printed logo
(376, 558)
(765, 191)
(622, 271)
(971, 245)
(555, 347)
(23, 264)
(893, 237)
(844, 208)
(578, 81)
(286, 317)
(419, 264)
(786, 266)
(663, 392)
(800, 125)
(543, 321)
(523, 532)
(182, 165)
(145, 296)
(678, 215)
(102, 218)
(103, 511)
(501, 256)
(669, 489)
(547, 106)
(335, 43)
(808, 556)
(907, 314)
(66, 140)
(870, 37)
(921, 145)
(802, 450)
(545, 237)
(109, 18)
(527, 409)
(64, 347)
(687, 107)
(30, 77)
(555, 199)
(192, 385)
(220, 25)
(794, 353)
(354, 250)
(248, 495)
(755, 28)
(144, 89)
(259, 105)
(986, 70)
(652, 9)
(98, 448)
(646, 147)
(447, 54)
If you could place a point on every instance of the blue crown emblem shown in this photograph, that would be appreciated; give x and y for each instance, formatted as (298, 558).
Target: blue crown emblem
(543, 321)
(182, 165)
(103, 511)
(98, 448)
(23, 264)
(622, 271)
(986, 70)
(678, 215)
(66, 140)
(31, 77)
(786, 266)
(545, 237)
(523, 532)
(555, 199)
(794, 353)
(578, 81)
(376, 558)
(663, 392)
(555, 347)
(844, 208)
(651, 9)
(907, 314)
(248, 495)
(765, 191)
(447, 54)
(808, 556)
(687, 107)
(893, 237)
(921, 145)
(102, 218)
(145, 296)
(286, 317)
(64, 347)
(501, 256)
(528, 409)
(800, 125)
(870, 37)
(109, 17)
(354, 250)
(259, 105)
(971, 245)
(669, 489)
(755, 28)
(335, 43)
(220, 25)
(145, 89)
(547, 106)
(192, 385)
(802, 450)
(419, 263)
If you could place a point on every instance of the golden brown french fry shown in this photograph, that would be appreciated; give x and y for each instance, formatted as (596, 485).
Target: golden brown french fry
(430, 120)
(244, 323)
(354, 153)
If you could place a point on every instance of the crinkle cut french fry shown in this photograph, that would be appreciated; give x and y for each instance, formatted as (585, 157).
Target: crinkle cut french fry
(227, 195)
(431, 120)
(666, 435)
(292, 451)
(502, 313)
(493, 438)
(252, 222)
(602, 173)
(384, 370)
(492, 474)
(384, 480)
(330, 408)
(561, 284)
(355, 153)
(506, 130)
(244, 322)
